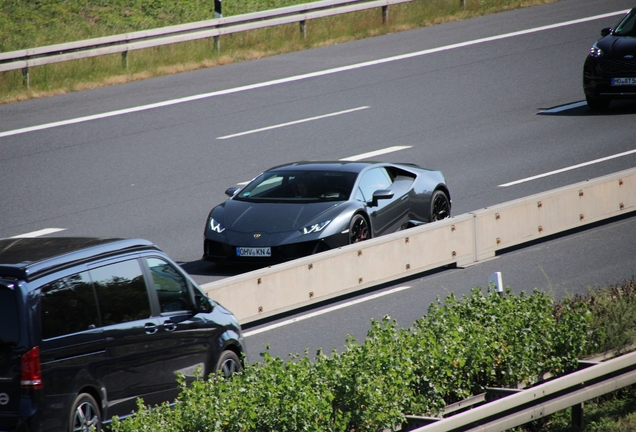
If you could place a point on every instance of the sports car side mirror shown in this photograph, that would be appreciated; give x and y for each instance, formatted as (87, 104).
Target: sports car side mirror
(606, 31)
(381, 194)
(231, 191)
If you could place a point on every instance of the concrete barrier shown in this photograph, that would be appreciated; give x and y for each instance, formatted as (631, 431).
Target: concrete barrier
(461, 240)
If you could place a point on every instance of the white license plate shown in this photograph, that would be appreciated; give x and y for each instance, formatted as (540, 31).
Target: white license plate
(254, 252)
(623, 81)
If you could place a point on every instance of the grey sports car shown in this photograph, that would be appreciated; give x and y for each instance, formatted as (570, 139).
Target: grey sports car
(302, 208)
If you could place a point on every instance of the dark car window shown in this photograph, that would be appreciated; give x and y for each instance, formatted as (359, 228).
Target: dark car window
(299, 186)
(377, 178)
(68, 306)
(9, 328)
(171, 286)
(627, 26)
(121, 292)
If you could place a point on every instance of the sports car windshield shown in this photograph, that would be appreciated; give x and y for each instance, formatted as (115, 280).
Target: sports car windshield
(627, 26)
(299, 186)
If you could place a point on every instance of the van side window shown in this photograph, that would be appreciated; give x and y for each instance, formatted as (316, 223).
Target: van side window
(121, 292)
(171, 286)
(68, 306)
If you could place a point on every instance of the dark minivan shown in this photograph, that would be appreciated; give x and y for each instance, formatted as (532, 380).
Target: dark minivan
(88, 325)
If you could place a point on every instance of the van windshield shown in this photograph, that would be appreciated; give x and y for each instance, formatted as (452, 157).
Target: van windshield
(9, 326)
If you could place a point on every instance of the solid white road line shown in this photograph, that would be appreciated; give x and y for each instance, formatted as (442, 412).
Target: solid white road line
(293, 122)
(323, 311)
(39, 233)
(627, 153)
(375, 153)
(304, 76)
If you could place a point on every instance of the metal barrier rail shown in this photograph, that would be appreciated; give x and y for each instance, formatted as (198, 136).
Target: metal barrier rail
(24, 59)
(462, 240)
(542, 400)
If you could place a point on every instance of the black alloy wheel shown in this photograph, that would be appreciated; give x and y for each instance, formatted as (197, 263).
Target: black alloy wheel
(228, 364)
(85, 414)
(358, 229)
(440, 206)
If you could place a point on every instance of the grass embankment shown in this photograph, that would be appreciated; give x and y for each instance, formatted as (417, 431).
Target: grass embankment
(30, 24)
(458, 349)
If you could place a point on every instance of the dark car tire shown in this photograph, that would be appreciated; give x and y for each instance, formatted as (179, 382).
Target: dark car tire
(358, 229)
(228, 364)
(597, 103)
(440, 206)
(85, 414)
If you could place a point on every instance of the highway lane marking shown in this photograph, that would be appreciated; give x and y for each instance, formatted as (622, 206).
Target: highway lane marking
(375, 153)
(361, 156)
(304, 76)
(592, 162)
(39, 233)
(293, 122)
(564, 107)
(323, 311)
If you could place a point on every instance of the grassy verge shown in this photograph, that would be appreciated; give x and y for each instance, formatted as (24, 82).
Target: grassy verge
(613, 327)
(32, 24)
(459, 348)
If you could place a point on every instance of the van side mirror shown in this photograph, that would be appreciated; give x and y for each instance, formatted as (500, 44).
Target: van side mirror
(606, 31)
(203, 304)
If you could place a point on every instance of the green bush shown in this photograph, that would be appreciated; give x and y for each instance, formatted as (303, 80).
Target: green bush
(456, 350)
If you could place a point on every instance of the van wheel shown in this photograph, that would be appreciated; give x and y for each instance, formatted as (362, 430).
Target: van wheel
(85, 415)
(228, 364)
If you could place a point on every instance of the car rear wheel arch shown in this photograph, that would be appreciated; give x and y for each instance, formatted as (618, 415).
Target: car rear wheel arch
(440, 205)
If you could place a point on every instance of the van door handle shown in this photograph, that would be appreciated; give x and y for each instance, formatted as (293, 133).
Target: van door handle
(169, 326)
(150, 328)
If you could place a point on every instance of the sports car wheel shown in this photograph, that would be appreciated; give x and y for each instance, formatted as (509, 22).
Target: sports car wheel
(358, 229)
(440, 206)
(228, 364)
(85, 415)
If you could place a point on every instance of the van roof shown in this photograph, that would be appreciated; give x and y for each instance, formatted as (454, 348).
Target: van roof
(28, 258)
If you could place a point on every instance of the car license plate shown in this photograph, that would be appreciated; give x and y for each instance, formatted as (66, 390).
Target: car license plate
(254, 252)
(623, 81)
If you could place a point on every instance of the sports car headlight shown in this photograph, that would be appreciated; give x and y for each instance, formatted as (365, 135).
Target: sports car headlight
(595, 51)
(216, 227)
(315, 227)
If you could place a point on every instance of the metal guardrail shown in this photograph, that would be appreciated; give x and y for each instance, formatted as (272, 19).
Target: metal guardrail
(534, 403)
(123, 43)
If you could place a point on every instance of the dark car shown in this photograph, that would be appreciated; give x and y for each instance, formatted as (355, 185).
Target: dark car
(610, 68)
(88, 325)
(302, 208)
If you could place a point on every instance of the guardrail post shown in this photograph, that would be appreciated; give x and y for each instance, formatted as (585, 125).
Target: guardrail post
(25, 77)
(218, 13)
(303, 29)
(577, 417)
(124, 60)
(385, 14)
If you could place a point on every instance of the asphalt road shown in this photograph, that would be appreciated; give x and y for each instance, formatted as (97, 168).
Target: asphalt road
(489, 101)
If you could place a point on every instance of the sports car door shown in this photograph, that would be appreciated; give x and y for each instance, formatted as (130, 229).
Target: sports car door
(389, 214)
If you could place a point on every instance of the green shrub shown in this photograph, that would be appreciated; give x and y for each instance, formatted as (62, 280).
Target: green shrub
(456, 350)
